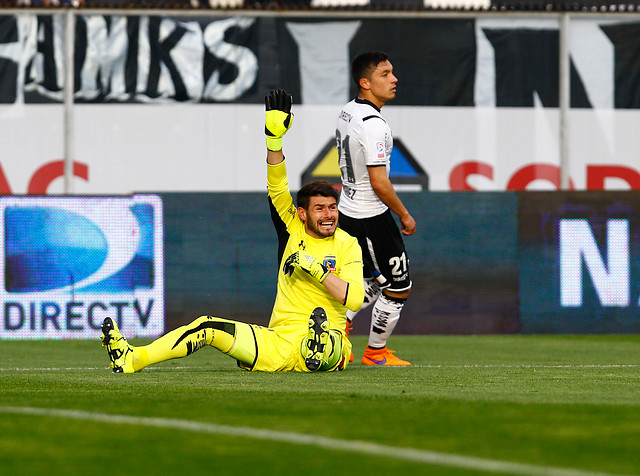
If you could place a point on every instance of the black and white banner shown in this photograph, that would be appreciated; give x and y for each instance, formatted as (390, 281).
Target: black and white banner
(441, 62)
(128, 59)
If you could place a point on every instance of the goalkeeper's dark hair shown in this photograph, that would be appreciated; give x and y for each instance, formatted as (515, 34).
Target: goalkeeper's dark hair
(364, 64)
(320, 188)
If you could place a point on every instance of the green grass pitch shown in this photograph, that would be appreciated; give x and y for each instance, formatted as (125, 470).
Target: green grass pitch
(536, 405)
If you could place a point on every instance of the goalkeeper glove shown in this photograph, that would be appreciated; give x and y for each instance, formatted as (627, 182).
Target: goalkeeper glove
(278, 118)
(305, 262)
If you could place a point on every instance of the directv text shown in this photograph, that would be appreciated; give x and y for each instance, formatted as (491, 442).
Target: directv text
(72, 315)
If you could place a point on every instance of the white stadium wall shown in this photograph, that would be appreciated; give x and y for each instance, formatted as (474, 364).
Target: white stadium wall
(202, 147)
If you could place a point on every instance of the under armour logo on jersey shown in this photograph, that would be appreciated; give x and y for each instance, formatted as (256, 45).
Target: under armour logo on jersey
(302, 245)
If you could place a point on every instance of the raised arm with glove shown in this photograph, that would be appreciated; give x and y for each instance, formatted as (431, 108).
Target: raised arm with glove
(278, 118)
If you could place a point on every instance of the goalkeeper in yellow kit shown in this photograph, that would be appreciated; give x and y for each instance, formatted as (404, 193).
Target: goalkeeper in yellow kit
(319, 278)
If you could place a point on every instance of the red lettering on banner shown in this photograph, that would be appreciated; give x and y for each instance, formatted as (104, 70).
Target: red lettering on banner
(530, 173)
(459, 174)
(596, 175)
(50, 171)
(4, 184)
(43, 177)
(520, 179)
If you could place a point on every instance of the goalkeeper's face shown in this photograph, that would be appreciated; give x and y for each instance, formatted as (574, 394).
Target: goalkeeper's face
(321, 218)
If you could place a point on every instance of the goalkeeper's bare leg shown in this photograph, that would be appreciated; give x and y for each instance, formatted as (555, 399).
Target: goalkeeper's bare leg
(233, 338)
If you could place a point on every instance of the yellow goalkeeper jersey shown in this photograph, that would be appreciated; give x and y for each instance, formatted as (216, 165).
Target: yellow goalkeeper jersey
(299, 294)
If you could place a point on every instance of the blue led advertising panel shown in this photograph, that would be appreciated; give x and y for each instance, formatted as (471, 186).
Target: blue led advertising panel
(579, 262)
(69, 262)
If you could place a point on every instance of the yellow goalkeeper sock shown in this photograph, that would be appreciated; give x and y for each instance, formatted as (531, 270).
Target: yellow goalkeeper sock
(233, 338)
(236, 340)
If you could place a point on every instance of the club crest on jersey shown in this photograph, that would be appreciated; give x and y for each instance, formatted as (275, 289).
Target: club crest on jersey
(380, 148)
(329, 262)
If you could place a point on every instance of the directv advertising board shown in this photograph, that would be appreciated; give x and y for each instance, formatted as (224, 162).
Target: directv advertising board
(69, 262)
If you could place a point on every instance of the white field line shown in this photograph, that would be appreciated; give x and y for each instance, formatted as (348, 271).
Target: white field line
(332, 444)
(434, 366)
(527, 366)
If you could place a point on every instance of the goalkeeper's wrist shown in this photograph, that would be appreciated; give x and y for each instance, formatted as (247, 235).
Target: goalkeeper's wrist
(323, 274)
(274, 143)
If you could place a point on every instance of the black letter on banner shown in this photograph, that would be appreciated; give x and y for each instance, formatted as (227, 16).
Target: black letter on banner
(627, 64)
(50, 317)
(46, 49)
(144, 317)
(8, 66)
(526, 62)
(92, 324)
(79, 51)
(71, 316)
(161, 52)
(131, 66)
(7, 315)
(119, 305)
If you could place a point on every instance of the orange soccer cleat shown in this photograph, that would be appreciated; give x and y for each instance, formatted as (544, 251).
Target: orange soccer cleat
(347, 331)
(382, 356)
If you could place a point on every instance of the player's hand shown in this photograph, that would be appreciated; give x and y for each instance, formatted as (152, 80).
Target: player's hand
(305, 262)
(408, 225)
(278, 117)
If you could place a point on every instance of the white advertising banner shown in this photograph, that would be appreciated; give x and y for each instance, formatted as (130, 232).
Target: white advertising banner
(120, 149)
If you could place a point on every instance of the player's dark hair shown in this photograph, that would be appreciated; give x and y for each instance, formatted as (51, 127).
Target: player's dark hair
(365, 63)
(320, 188)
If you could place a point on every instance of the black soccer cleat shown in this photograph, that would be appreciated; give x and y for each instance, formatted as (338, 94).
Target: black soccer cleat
(118, 349)
(317, 339)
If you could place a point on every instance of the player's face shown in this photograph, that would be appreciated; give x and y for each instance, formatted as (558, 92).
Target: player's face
(383, 83)
(321, 219)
